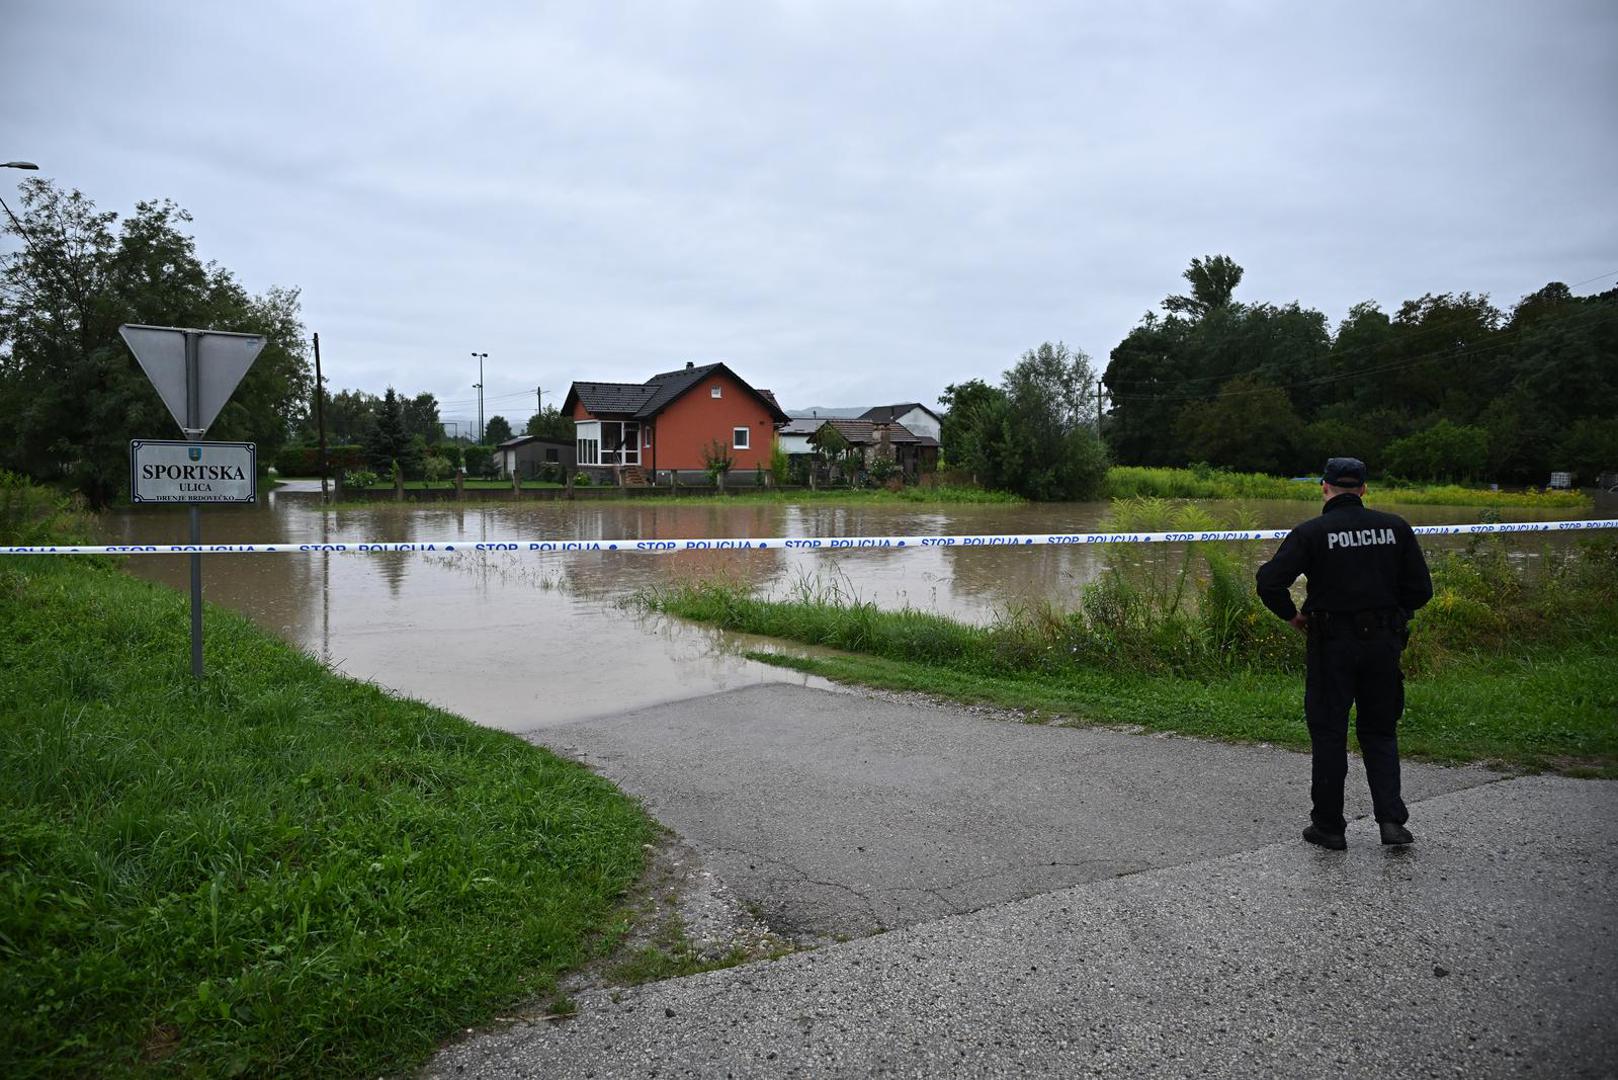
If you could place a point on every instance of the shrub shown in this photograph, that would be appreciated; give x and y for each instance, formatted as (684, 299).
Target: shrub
(717, 461)
(34, 516)
(435, 468)
(778, 462)
(305, 460)
(360, 479)
(478, 460)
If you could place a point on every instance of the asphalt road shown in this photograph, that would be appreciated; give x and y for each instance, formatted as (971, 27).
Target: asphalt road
(839, 815)
(1088, 903)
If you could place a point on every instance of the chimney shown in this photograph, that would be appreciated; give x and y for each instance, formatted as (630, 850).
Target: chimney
(689, 364)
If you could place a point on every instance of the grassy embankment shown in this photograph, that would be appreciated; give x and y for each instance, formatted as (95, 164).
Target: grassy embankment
(275, 871)
(1508, 664)
(1132, 482)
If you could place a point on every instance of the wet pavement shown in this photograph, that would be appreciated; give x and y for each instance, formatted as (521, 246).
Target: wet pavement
(844, 814)
(1486, 949)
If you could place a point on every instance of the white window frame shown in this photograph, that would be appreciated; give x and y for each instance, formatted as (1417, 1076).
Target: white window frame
(716, 391)
(747, 438)
(588, 447)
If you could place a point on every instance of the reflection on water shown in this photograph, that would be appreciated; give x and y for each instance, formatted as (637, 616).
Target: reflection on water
(524, 640)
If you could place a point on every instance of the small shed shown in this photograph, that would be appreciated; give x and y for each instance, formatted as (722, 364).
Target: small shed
(529, 456)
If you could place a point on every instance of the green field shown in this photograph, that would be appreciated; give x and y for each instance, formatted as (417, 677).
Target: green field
(275, 871)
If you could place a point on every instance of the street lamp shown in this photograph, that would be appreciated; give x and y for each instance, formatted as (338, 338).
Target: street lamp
(480, 357)
(30, 166)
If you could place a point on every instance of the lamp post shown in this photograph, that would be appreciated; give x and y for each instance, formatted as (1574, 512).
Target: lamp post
(31, 167)
(480, 357)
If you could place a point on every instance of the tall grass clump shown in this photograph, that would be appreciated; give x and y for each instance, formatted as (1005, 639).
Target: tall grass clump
(34, 516)
(1205, 482)
(1184, 610)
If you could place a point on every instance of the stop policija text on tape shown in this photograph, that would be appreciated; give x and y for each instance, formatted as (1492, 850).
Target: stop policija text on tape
(783, 543)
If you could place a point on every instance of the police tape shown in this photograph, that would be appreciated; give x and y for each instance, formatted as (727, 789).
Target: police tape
(769, 543)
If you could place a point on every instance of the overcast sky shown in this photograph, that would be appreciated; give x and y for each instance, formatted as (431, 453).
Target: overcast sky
(850, 203)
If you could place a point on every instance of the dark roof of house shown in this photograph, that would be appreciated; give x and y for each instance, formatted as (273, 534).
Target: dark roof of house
(524, 440)
(804, 425)
(864, 432)
(610, 397)
(641, 401)
(883, 413)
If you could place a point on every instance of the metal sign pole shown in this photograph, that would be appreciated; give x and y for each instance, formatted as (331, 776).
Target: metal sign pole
(172, 358)
(193, 424)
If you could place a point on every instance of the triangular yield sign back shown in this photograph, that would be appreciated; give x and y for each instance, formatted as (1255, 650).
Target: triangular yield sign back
(222, 359)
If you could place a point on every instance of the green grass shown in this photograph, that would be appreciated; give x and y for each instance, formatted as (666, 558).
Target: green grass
(1124, 482)
(275, 871)
(670, 956)
(1473, 712)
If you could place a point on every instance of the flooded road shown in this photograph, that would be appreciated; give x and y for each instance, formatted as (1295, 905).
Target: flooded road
(522, 641)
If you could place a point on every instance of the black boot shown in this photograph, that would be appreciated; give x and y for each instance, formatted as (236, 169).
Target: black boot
(1336, 841)
(1395, 834)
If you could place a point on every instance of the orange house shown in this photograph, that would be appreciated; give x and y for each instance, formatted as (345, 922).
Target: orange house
(664, 425)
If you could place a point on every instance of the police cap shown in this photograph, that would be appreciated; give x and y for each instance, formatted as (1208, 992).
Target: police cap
(1344, 472)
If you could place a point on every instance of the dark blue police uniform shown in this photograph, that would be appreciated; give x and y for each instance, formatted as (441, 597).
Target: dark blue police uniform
(1366, 577)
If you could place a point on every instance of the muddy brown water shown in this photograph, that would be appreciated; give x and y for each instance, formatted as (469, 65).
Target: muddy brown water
(523, 641)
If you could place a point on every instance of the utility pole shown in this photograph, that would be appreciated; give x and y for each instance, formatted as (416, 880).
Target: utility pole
(480, 358)
(539, 399)
(320, 419)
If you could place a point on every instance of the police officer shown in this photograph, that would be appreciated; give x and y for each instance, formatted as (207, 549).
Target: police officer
(1366, 577)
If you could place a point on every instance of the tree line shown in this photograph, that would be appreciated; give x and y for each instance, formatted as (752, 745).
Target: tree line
(392, 428)
(1447, 387)
(72, 396)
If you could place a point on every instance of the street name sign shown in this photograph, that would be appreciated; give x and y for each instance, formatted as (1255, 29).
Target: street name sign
(194, 372)
(169, 471)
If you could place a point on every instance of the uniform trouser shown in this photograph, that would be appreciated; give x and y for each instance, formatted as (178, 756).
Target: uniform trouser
(1345, 670)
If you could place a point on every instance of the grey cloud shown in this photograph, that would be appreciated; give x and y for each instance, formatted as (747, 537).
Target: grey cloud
(850, 202)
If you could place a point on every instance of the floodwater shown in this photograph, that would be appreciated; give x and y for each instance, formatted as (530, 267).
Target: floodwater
(522, 641)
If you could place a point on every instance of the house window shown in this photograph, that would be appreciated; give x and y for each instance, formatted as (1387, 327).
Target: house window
(738, 438)
(552, 455)
(648, 435)
(587, 451)
(715, 391)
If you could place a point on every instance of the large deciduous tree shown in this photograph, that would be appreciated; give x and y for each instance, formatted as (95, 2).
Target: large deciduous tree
(1213, 282)
(497, 431)
(72, 396)
(1250, 426)
(421, 418)
(550, 424)
(1035, 433)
